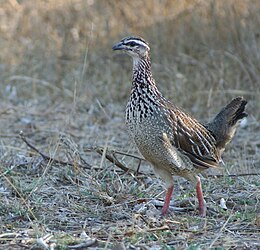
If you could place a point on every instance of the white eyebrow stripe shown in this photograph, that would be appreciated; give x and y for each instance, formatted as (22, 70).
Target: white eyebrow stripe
(137, 42)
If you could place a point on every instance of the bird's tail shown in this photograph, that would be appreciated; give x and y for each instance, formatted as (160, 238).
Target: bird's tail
(223, 126)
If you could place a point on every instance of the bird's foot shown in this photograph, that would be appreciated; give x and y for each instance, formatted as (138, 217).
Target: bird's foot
(167, 201)
(203, 209)
(202, 202)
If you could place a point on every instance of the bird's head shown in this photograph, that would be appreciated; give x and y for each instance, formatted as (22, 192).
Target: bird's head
(133, 46)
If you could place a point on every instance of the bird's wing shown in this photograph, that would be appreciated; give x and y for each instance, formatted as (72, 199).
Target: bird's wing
(192, 138)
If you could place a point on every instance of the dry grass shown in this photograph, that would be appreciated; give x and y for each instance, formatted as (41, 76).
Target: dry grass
(65, 89)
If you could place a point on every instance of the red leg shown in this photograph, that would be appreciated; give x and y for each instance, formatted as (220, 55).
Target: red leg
(202, 203)
(167, 200)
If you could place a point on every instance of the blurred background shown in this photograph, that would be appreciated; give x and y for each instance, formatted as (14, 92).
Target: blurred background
(203, 52)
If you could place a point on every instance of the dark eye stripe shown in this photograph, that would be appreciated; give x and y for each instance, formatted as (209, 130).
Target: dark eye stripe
(132, 44)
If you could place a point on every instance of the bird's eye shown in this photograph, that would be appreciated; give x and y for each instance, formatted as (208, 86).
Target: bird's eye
(132, 44)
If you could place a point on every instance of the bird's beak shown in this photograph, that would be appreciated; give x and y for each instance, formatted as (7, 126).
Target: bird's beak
(118, 46)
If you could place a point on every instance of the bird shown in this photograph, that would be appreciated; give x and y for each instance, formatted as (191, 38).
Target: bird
(170, 139)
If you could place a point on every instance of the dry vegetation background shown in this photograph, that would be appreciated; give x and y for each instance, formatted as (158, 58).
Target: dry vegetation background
(66, 90)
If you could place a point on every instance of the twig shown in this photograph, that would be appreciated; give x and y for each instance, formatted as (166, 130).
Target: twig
(220, 231)
(111, 156)
(112, 159)
(84, 245)
(113, 151)
(46, 157)
(45, 243)
(138, 167)
(130, 155)
(231, 175)
(162, 228)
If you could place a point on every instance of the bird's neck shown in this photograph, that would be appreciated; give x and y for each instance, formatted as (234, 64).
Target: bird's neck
(142, 75)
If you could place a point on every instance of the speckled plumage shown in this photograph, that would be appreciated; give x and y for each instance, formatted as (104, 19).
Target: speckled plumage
(170, 139)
